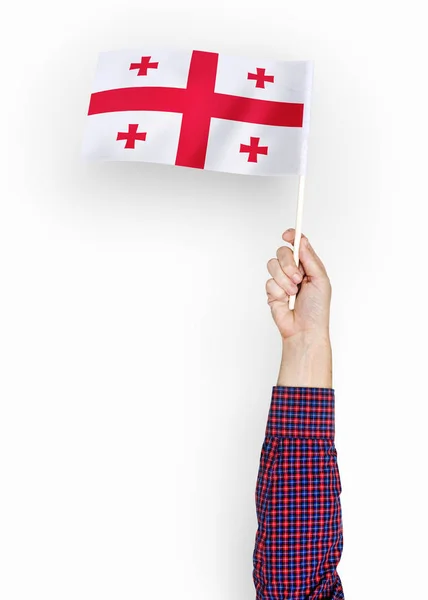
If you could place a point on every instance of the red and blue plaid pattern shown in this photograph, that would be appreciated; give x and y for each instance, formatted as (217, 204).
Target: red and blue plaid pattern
(299, 537)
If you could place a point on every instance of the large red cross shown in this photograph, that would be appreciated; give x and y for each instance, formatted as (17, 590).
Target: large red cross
(144, 65)
(260, 77)
(198, 103)
(131, 136)
(254, 149)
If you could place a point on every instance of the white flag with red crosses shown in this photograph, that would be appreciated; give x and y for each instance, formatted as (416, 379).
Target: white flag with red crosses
(200, 109)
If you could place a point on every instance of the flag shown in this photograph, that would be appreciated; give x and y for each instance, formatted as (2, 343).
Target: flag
(200, 109)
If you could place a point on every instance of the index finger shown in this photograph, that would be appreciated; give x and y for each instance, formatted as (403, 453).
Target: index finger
(289, 234)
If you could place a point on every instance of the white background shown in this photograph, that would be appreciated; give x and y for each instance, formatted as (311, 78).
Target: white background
(137, 352)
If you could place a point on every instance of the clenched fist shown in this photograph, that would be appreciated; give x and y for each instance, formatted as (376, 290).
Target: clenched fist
(311, 284)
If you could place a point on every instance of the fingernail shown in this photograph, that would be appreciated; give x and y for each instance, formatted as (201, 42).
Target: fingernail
(297, 277)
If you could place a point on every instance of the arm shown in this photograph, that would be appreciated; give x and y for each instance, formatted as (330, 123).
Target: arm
(299, 537)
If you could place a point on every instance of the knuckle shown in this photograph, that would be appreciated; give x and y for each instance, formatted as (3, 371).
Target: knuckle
(269, 284)
(280, 252)
(283, 253)
(272, 263)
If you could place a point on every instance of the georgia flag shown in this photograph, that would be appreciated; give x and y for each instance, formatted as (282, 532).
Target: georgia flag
(200, 109)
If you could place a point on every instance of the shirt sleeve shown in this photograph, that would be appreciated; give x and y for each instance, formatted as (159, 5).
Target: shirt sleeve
(299, 537)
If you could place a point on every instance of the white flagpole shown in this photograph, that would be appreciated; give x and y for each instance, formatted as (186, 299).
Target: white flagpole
(298, 235)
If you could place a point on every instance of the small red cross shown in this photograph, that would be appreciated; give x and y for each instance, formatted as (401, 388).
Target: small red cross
(131, 136)
(260, 77)
(254, 149)
(143, 65)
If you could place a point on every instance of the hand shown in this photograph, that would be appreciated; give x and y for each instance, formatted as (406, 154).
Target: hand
(309, 281)
(306, 350)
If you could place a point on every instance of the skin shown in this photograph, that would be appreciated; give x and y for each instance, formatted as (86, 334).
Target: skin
(305, 331)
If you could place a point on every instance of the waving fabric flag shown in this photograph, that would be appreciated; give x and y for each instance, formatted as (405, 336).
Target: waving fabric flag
(200, 109)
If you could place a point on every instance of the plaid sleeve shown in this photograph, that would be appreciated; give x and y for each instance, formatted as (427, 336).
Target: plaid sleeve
(299, 536)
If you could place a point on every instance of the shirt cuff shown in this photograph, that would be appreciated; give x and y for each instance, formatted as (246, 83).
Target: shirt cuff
(301, 412)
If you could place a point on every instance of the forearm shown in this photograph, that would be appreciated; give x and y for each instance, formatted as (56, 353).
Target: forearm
(306, 361)
(299, 538)
(298, 546)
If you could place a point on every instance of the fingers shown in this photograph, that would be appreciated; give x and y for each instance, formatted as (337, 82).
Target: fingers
(310, 260)
(275, 292)
(288, 264)
(284, 271)
(286, 276)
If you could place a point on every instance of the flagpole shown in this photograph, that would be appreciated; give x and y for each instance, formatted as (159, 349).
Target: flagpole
(298, 233)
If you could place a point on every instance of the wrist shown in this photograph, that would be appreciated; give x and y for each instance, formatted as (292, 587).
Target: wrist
(306, 360)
